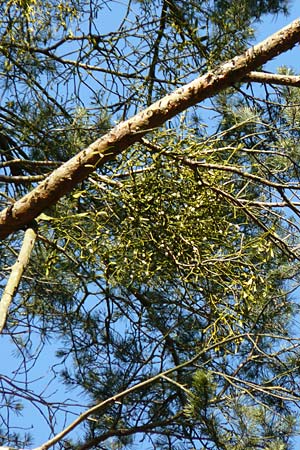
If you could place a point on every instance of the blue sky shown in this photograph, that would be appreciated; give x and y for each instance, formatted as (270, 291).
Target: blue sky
(31, 417)
(271, 25)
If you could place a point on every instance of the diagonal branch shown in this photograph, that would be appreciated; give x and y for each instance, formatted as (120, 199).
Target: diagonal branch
(118, 397)
(66, 177)
(16, 274)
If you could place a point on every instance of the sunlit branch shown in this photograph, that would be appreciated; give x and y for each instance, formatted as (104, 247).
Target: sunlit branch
(66, 177)
(118, 397)
(273, 78)
(16, 275)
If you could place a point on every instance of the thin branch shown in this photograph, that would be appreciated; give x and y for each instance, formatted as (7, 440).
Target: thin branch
(271, 78)
(116, 398)
(156, 49)
(20, 179)
(148, 427)
(30, 163)
(238, 171)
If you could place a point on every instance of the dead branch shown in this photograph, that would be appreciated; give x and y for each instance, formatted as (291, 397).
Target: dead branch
(16, 274)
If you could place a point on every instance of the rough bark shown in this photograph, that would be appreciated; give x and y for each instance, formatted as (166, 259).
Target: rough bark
(66, 177)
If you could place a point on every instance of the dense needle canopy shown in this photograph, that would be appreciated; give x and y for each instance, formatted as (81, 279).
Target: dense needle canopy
(162, 287)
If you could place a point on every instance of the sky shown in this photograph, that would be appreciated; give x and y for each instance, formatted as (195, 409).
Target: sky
(32, 417)
(269, 26)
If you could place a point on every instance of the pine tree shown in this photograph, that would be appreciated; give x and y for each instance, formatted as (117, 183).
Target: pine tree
(162, 270)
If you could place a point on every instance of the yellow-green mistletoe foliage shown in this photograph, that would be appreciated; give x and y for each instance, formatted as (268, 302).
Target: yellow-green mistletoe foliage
(160, 219)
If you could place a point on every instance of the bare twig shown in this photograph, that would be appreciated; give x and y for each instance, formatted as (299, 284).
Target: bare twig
(19, 179)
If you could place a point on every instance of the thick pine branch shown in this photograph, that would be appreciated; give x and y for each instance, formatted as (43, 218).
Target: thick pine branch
(66, 177)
